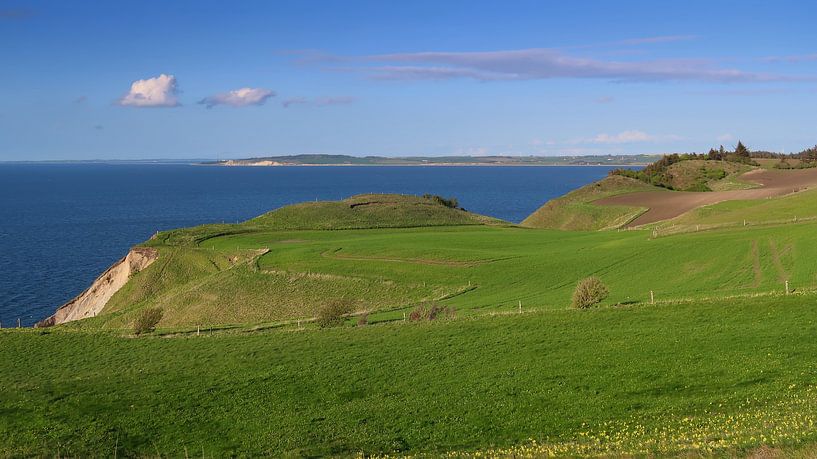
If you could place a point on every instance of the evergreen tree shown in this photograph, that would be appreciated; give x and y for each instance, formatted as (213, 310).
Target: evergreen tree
(741, 150)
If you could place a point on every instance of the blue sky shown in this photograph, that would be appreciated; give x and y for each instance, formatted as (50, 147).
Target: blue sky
(202, 79)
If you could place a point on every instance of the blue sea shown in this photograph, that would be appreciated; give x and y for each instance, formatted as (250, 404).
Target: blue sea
(61, 225)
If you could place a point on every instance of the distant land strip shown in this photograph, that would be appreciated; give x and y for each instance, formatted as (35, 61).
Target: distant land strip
(345, 160)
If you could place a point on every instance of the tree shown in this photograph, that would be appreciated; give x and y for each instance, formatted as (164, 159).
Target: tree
(741, 150)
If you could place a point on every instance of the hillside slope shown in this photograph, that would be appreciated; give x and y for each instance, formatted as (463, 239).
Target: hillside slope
(576, 210)
(194, 285)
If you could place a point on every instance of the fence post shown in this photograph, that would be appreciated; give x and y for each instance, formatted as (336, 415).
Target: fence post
(652, 297)
(520, 306)
(18, 322)
(198, 330)
(787, 287)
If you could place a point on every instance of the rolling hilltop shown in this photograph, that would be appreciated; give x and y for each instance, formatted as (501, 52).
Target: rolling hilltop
(456, 334)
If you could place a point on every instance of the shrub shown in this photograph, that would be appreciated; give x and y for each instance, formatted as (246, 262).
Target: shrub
(432, 311)
(589, 291)
(333, 313)
(146, 321)
(450, 202)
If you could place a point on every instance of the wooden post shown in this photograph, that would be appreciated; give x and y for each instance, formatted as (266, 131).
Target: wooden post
(744, 222)
(18, 322)
(520, 306)
(697, 227)
(787, 287)
(652, 297)
(198, 330)
(404, 316)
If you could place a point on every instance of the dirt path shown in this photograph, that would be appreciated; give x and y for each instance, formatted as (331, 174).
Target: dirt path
(665, 205)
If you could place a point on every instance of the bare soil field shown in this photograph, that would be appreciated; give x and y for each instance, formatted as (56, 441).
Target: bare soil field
(663, 205)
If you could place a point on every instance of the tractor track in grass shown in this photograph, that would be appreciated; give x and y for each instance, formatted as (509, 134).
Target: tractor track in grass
(334, 254)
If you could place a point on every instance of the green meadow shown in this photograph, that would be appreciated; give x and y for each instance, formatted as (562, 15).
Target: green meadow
(697, 350)
(705, 377)
(281, 276)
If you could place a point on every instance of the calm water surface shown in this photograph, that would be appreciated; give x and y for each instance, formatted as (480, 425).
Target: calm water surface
(61, 225)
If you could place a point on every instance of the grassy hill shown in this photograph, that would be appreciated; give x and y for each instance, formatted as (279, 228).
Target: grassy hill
(576, 211)
(721, 364)
(277, 277)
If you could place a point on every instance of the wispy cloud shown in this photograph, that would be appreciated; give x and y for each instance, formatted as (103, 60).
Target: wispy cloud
(625, 137)
(242, 97)
(295, 101)
(792, 59)
(159, 91)
(318, 101)
(545, 63)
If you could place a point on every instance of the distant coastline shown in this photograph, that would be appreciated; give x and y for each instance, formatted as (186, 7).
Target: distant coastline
(343, 160)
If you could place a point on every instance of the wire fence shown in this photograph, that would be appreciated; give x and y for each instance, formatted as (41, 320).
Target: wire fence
(670, 230)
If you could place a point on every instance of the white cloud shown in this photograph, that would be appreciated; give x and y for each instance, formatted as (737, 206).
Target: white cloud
(625, 137)
(159, 91)
(622, 137)
(239, 97)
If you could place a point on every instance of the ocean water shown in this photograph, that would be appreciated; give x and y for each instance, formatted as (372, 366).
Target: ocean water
(61, 225)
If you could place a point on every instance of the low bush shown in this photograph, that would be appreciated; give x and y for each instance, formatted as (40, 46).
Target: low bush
(447, 202)
(589, 292)
(432, 311)
(333, 313)
(147, 320)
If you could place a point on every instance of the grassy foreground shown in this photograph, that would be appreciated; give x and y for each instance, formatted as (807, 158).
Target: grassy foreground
(706, 377)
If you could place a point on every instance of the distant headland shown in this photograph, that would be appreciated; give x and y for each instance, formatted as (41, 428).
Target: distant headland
(346, 160)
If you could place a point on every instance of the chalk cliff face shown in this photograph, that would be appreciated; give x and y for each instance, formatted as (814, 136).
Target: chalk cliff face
(91, 302)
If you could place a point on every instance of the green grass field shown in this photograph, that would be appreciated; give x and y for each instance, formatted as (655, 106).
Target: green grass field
(783, 209)
(386, 272)
(721, 364)
(701, 377)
